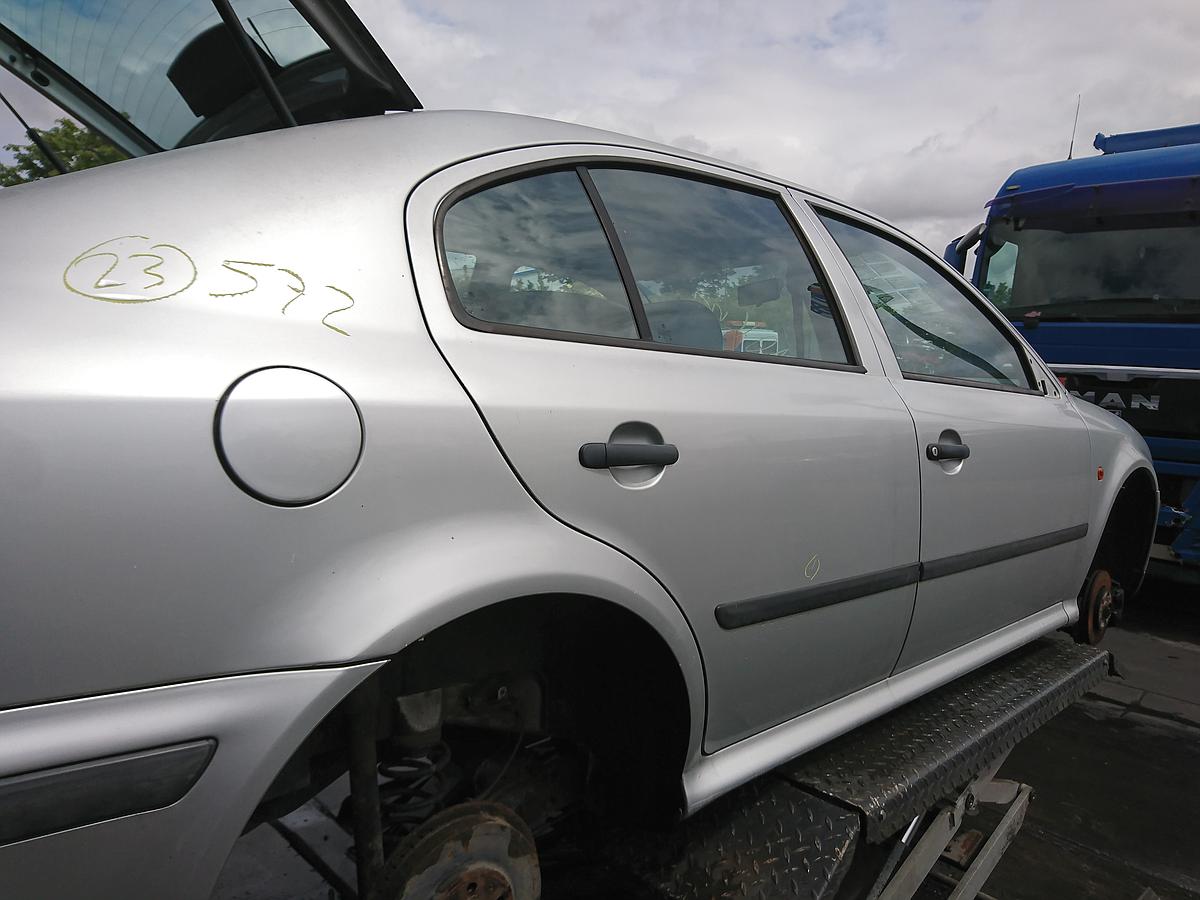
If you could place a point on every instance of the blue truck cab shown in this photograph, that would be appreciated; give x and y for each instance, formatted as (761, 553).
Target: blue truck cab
(1097, 261)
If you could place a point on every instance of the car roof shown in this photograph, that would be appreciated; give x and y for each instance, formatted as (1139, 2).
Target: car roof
(423, 142)
(477, 132)
(413, 145)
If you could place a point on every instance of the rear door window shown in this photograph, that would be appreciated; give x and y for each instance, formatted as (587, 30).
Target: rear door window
(532, 253)
(720, 269)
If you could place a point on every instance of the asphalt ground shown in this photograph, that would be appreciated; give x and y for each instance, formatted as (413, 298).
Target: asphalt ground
(1116, 809)
(1115, 813)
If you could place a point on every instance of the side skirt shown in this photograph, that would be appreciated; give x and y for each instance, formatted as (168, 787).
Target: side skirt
(712, 775)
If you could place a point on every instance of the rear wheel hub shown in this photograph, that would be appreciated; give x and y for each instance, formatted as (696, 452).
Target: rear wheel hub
(472, 851)
(477, 883)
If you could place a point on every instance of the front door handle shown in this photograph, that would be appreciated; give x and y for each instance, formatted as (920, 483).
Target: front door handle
(611, 455)
(942, 451)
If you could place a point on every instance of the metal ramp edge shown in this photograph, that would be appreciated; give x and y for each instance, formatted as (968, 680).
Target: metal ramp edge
(904, 763)
(797, 831)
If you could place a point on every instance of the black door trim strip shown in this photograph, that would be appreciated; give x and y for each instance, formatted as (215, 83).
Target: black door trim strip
(740, 613)
(50, 800)
(973, 559)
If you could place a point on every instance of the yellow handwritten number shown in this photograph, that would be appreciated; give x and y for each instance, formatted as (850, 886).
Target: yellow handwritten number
(298, 292)
(231, 265)
(350, 305)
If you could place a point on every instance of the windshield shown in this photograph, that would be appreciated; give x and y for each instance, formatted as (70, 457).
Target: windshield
(170, 67)
(1123, 269)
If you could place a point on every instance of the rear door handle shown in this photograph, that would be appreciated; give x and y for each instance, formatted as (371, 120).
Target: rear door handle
(942, 451)
(611, 455)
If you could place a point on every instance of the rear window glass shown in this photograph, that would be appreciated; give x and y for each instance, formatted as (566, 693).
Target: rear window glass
(171, 67)
(538, 257)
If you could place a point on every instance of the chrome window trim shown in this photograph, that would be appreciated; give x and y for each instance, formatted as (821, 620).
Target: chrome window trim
(1124, 373)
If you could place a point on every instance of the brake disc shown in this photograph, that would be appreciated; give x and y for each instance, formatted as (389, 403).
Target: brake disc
(471, 851)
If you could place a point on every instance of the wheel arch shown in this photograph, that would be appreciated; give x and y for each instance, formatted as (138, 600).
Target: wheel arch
(613, 679)
(1124, 505)
(1123, 547)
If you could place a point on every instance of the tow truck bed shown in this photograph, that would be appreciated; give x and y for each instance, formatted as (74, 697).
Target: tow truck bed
(870, 813)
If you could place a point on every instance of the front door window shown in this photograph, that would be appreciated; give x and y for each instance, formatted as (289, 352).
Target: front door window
(934, 329)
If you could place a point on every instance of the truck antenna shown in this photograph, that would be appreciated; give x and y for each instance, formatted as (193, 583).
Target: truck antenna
(1075, 126)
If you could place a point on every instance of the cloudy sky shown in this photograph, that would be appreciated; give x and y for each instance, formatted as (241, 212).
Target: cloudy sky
(916, 109)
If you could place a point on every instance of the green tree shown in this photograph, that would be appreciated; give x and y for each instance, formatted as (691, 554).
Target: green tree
(79, 148)
(999, 294)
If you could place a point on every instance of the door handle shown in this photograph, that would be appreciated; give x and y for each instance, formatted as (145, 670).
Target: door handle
(611, 455)
(942, 451)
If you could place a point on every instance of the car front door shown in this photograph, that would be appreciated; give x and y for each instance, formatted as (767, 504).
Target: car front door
(1004, 456)
(594, 308)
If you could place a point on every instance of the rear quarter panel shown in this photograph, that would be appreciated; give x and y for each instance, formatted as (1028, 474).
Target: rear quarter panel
(130, 558)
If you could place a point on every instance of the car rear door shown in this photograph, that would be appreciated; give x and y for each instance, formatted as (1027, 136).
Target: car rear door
(1004, 457)
(775, 496)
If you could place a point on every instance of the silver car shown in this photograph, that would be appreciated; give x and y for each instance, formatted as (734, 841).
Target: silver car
(532, 464)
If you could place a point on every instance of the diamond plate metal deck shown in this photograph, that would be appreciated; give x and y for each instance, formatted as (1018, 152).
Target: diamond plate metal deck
(899, 766)
(768, 840)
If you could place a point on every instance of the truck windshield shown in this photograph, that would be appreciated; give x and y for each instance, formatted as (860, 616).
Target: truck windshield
(1133, 268)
